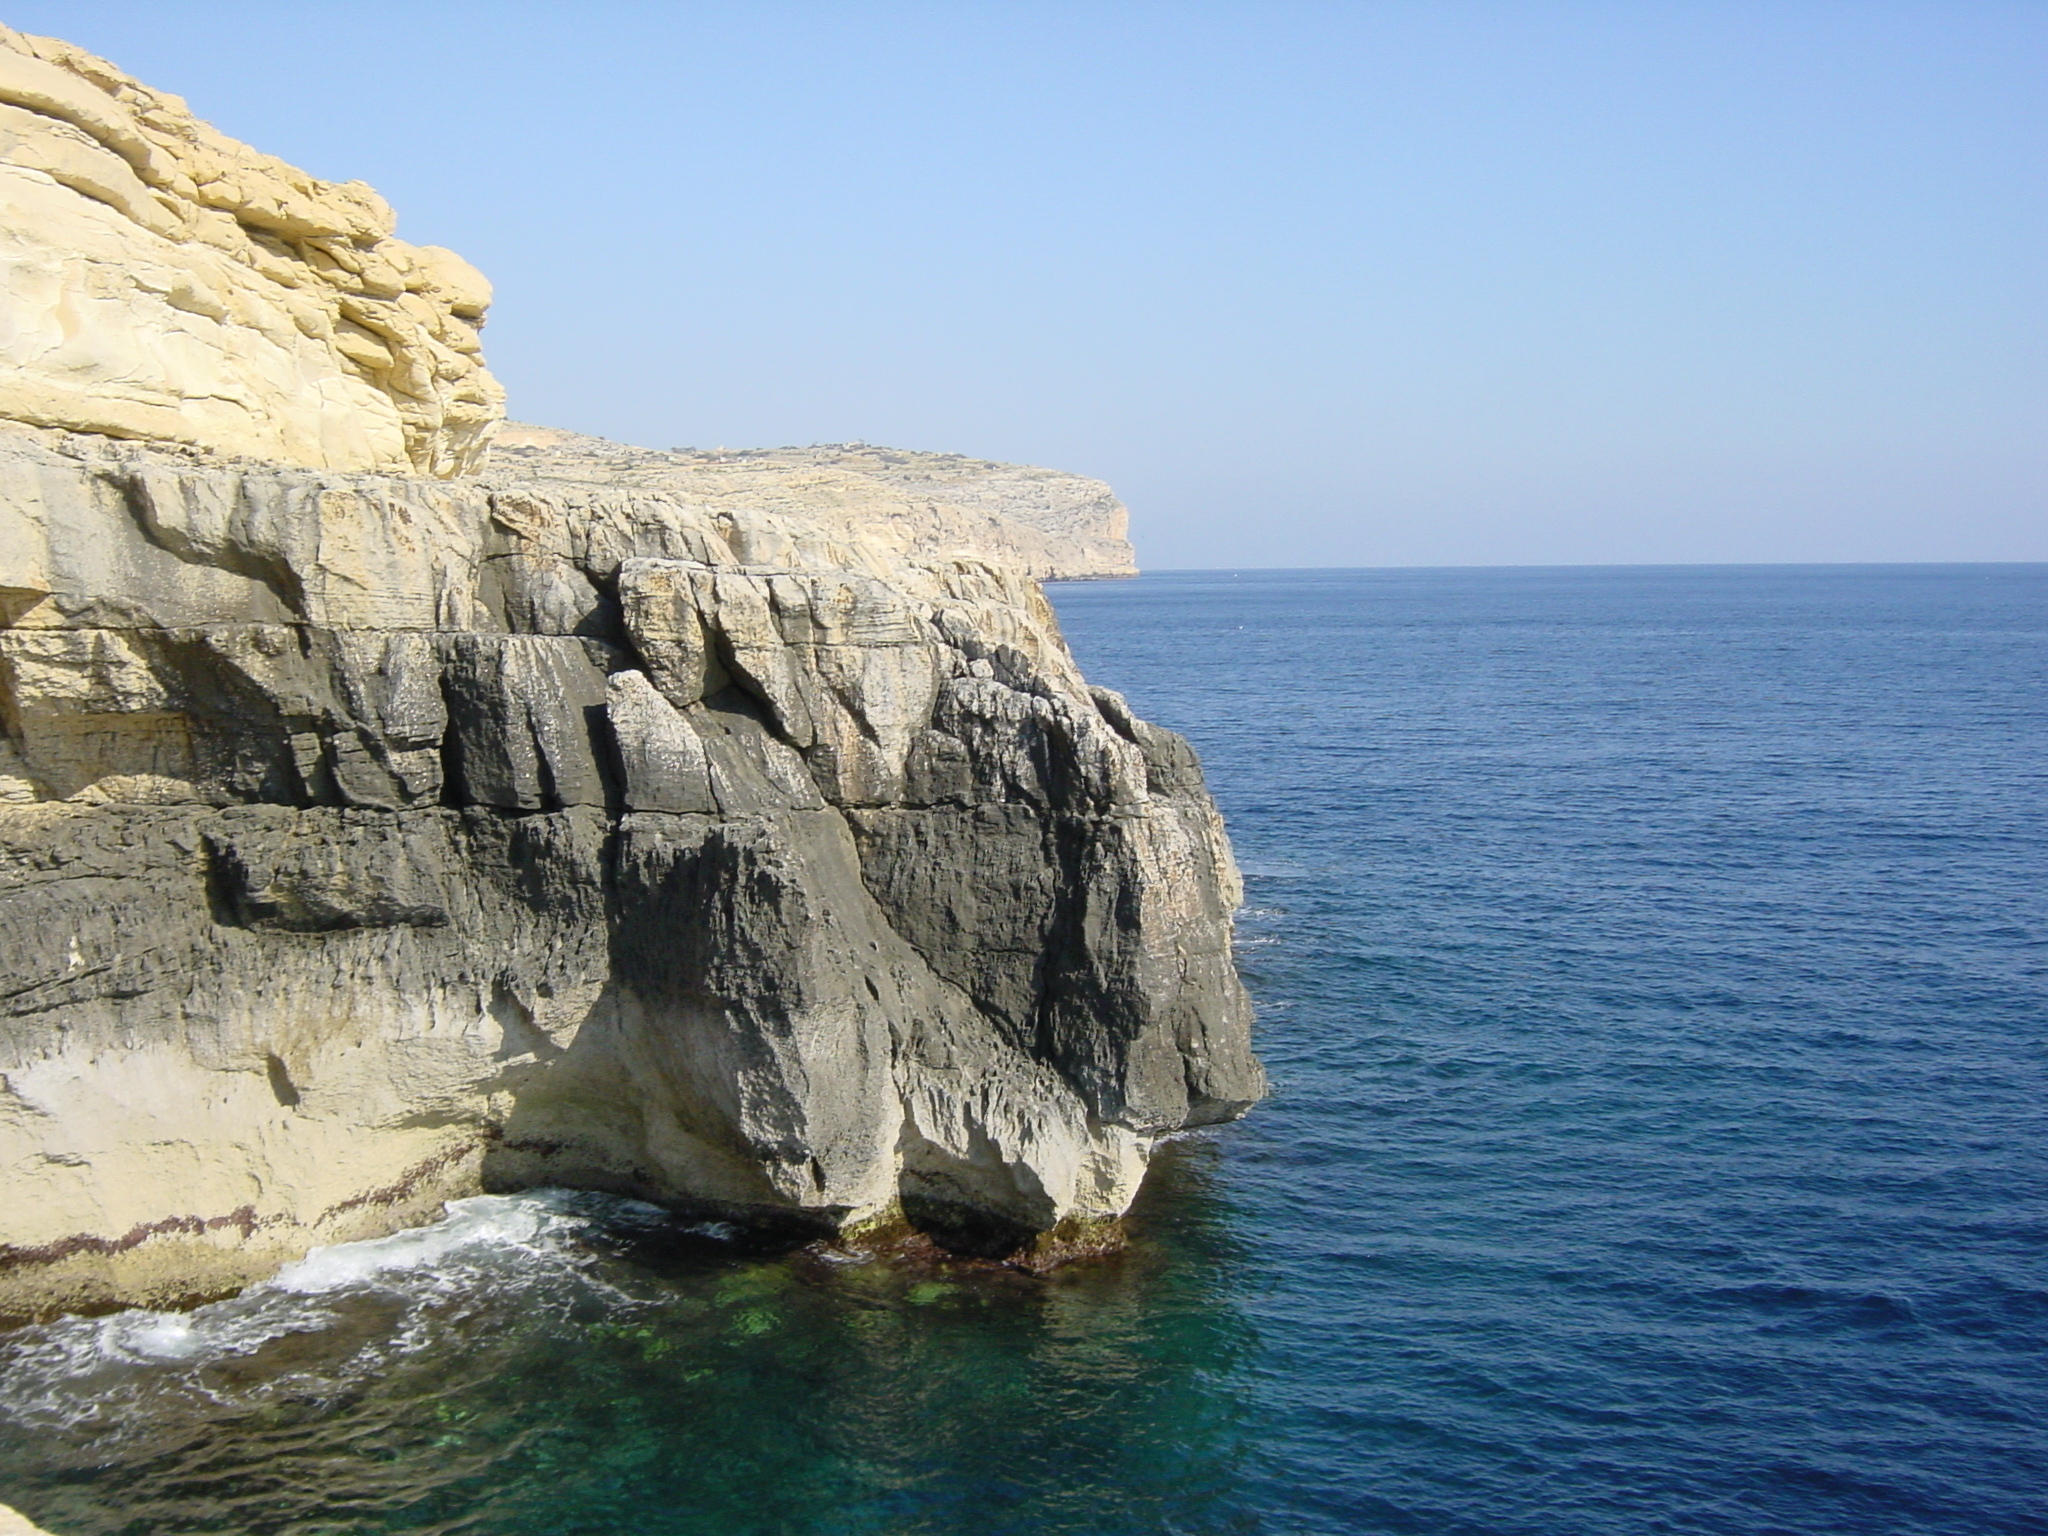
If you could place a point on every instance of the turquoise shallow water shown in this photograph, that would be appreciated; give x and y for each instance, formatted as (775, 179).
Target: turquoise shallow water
(1654, 974)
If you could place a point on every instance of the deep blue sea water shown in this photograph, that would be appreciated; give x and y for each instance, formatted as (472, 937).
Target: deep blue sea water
(1653, 971)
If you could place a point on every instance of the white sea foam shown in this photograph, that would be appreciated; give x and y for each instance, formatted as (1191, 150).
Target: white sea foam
(480, 1229)
(78, 1370)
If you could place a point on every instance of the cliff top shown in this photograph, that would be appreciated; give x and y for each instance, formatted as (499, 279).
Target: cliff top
(1048, 523)
(163, 283)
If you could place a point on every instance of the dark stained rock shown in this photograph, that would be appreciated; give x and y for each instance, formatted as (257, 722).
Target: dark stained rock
(368, 840)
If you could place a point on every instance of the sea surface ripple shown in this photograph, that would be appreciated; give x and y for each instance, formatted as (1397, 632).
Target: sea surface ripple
(1653, 971)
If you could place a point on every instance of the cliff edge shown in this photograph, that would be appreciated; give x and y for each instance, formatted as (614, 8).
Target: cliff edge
(1041, 522)
(370, 838)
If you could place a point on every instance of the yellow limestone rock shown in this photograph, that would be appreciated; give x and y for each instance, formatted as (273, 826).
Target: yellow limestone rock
(161, 281)
(12, 1524)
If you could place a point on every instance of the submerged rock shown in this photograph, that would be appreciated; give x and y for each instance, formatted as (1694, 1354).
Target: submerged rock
(368, 840)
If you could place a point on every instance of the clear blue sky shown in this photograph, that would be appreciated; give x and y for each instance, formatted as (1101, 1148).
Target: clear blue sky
(1389, 282)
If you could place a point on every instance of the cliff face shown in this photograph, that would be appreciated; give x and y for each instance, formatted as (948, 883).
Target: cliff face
(367, 840)
(166, 283)
(1040, 522)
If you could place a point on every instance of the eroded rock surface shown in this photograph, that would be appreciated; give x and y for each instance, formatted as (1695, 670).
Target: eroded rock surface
(914, 505)
(160, 281)
(367, 840)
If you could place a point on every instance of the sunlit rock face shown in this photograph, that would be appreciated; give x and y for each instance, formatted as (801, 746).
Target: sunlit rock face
(160, 281)
(368, 839)
(1043, 522)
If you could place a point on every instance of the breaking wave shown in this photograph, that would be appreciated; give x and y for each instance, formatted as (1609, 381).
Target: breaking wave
(324, 1322)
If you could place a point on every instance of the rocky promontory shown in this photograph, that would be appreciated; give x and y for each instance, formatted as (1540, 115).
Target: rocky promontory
(382, 820)
(1040, 522)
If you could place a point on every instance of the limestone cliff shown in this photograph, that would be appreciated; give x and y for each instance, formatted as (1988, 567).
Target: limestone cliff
(164, 282)
(916, 505)
(367, 839)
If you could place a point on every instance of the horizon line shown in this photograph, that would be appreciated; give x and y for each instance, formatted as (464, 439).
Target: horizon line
(1614, 565)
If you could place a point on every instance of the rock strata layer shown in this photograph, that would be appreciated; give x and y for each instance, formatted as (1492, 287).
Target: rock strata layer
(369, 840)
(163, 282)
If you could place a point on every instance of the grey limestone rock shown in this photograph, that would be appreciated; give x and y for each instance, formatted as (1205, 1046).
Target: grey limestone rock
(366, 840)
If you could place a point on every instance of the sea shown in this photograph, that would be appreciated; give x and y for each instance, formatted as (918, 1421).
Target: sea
(1652, 966)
